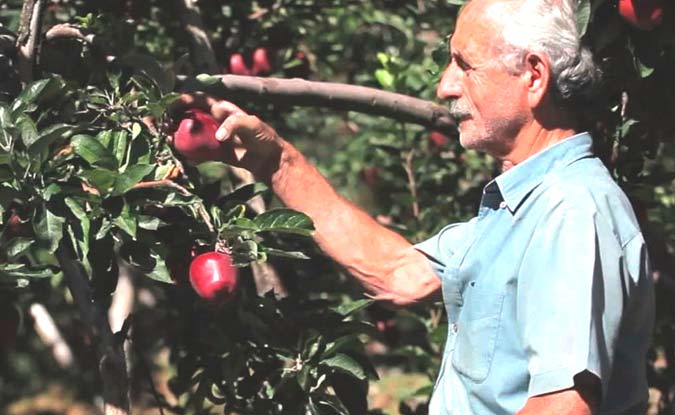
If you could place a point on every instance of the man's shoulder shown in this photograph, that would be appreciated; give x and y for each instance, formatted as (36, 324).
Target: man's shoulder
(586, 188)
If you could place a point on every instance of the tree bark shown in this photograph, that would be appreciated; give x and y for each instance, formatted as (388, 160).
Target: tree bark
(328, 94)
(110, 354)
(201, 51)
(28, 39)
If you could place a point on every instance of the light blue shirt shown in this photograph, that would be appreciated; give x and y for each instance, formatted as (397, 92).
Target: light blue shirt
(549, 280)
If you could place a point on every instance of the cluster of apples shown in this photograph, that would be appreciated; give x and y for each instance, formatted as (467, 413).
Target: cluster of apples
(263, 63)
(643, 14)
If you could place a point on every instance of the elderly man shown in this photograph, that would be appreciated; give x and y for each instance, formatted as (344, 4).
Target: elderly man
(547, 290)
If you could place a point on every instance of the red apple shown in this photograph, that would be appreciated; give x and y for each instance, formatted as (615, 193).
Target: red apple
(643, 14)
(437, 140)
(17, 226)
(213, 276)
(195, 137)
(261, 62)
(238, 65)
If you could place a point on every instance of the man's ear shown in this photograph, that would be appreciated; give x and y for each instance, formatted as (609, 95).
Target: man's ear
(538, 77)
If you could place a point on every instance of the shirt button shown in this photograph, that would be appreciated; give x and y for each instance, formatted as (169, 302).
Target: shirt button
(502, 205)
(454, 327)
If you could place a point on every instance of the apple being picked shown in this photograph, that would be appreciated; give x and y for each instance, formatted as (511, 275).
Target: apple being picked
(213, 276)
(643, 14)
(195, 137)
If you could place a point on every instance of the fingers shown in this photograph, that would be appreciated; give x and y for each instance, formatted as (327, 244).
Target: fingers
(219, 109)
(245, 126)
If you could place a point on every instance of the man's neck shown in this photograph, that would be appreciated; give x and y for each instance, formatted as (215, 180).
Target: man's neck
(533, 139)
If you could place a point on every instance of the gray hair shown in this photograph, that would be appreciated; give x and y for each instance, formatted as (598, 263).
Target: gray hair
(550, 27)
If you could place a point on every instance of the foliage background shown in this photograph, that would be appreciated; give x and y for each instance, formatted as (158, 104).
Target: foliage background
(276, 352)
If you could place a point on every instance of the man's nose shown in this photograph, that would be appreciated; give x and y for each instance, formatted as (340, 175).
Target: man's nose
(449, 86)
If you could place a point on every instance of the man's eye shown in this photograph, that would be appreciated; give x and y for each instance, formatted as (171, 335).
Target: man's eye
(463, 65)
(460, 62)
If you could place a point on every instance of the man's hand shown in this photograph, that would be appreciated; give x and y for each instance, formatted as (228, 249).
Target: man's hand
(248, 142)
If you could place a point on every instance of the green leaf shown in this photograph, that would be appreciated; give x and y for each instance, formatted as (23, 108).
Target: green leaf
(12, 272)
(206, 79)
(30, 95)
(119, 145)
(27, 130)
(93, 152)
(136, 130)
(583, 16)
(82, 223)
(160, 272)
(49, 135)
(345, 364)
(126, 222)
(49, 229)
(351, 307)
(134, 174)
(150, 223)
(385, 78)
(284, 220)
(106, 139)
(106, 226)
(102, 179)
(644, 70)
(17, 247)
(6, 123)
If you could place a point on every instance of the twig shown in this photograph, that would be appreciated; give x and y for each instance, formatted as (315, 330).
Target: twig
(163, 183)
(328, 94)
(412, 183)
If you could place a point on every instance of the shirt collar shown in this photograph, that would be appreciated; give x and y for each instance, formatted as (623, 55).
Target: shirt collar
(517, 182)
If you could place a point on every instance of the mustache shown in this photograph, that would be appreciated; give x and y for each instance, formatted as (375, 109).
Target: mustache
(458, 111)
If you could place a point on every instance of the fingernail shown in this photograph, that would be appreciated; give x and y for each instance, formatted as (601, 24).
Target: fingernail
(221, 134)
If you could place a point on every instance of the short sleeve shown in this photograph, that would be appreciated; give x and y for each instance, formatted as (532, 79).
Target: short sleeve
(442, 246)
(571, 298)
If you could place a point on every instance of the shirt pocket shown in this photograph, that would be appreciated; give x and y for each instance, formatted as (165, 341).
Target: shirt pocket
(477, 332)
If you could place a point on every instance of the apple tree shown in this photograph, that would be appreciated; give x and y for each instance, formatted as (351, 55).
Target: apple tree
(102, 217)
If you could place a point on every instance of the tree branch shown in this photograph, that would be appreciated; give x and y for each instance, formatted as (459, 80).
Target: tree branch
(29, 37)
(200, 46)
(112, 365)
(331, 95)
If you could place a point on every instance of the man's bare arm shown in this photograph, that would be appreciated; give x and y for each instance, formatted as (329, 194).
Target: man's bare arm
(381, 259)
(582, 399)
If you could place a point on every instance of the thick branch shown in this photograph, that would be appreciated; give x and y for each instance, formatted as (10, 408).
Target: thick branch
(110, 355)
(200, 46)
(332, 95)
(29, 37)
